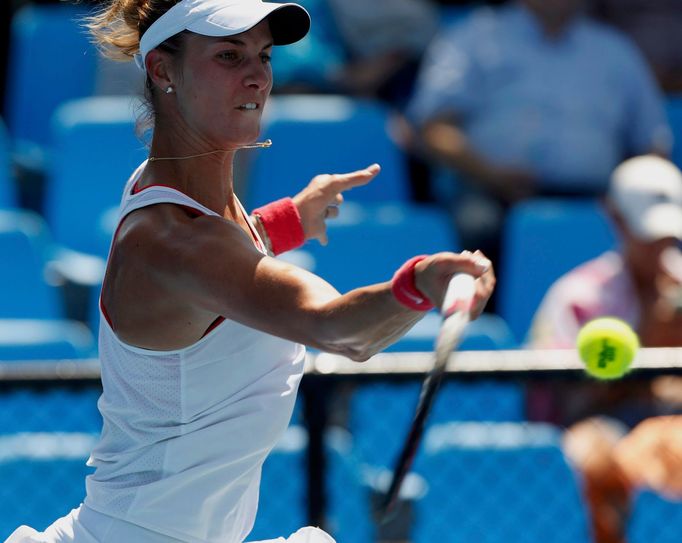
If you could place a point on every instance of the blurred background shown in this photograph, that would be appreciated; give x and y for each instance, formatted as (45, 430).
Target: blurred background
(513, 127)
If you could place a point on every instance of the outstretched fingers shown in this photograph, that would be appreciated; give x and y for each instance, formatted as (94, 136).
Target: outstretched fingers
(345, 181)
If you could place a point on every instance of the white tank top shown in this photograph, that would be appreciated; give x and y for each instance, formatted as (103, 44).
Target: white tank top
(186, 431)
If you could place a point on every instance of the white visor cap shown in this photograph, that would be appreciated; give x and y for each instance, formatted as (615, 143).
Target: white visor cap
(647, 192)
(288, 22)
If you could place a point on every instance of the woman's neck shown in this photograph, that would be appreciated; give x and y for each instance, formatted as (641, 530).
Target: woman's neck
(193, 167)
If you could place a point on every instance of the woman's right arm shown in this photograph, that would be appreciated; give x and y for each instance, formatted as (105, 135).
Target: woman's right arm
(211, 264)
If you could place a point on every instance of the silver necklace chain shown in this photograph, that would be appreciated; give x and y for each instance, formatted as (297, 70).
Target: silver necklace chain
(258, 145)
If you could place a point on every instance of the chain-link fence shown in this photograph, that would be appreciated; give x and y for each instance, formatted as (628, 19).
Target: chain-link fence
(512, 453)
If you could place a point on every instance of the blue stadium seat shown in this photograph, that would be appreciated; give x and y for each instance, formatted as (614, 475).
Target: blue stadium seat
(54, 410)
(8, 197)
(673, 108)
(451, 15)
(95, 152)
(377, 440)
(282, 506)
(51, 60)
(655, 519)
(43, 477)
(488, 332)
(313, 135)
(24, 244)
(496, 483)
(368, 243)
(31, 310)
(542, 240)
(310, 61)
(93, 308)
(42, 339)
(348, 495)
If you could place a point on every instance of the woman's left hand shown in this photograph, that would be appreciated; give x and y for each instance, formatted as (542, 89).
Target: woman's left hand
(320, 200)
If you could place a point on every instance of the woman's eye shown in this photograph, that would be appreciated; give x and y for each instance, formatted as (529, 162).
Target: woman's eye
(265, 58)
(228, 55)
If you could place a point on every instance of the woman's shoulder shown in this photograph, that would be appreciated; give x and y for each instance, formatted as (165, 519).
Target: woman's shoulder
(149, 226)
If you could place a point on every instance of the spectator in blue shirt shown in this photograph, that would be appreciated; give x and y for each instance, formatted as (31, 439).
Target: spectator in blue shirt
(655, 26)
(531, 99)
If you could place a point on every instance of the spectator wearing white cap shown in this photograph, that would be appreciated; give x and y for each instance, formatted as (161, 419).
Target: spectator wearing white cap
(641, 283)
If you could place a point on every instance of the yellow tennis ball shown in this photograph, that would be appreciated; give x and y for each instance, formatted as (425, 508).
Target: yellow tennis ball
(607, 346)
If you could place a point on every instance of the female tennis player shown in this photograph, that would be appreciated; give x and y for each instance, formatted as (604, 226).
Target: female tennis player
(202, 332)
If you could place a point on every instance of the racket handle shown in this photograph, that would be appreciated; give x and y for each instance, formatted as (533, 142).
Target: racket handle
(459, 295)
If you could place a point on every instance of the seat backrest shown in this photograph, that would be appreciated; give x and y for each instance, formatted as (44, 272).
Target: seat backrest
(43, 475)
(282, 503)
(378, 439)
(314, 135)
(655, 519)
(488, 332)
(51, 60)
(349, 497)
(673, 108)
(8, 197)
(23, 246)
(498, 483)
(42, 339)
(51, 411)
(542, 240)
(368, 243)
(451, 15)
(95, 152)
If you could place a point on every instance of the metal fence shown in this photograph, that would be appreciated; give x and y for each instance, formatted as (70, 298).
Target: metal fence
(492, 466)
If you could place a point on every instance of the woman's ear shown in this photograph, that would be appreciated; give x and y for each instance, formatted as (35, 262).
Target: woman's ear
(159, 69)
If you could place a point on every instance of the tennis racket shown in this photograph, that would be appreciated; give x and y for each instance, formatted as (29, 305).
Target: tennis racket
(455, 312)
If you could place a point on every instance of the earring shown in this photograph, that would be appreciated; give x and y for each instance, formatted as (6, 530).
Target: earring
(170, 89)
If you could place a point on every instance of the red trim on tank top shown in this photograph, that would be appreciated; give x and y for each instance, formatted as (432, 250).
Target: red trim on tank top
(137, 190)
(213, 325)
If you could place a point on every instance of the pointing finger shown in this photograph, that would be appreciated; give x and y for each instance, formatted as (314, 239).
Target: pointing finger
(345, 181)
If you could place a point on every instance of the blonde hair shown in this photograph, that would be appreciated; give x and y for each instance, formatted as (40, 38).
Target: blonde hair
(116, 29)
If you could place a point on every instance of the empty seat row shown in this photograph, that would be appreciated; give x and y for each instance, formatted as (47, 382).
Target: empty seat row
(492, 482)
(8, 196)
(43, 478)
(33, 323)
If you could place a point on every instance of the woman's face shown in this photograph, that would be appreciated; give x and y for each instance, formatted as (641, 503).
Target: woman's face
(224, 85)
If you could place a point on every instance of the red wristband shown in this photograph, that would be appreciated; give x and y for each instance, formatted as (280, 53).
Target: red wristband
(282, 224)
(404, 288)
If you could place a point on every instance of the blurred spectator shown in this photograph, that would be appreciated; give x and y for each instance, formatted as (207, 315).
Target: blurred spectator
(655, 25)
(532, 98)
(360, 48)
(384, 40)
(309, 65)
(615, 464)
(640, 283)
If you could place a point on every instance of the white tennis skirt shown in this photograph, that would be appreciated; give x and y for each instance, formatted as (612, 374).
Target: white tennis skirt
(84, 525)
